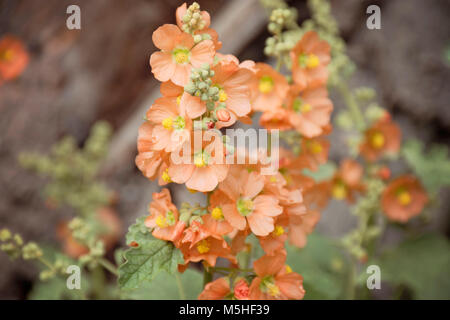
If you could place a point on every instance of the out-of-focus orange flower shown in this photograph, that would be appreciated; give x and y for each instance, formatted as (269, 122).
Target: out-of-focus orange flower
(275, 280)
(107, 217)
(178, 54)
(383, 137)
(246, 206)
(310, 58)
(309, 109)
(163, 218)
(171, 129)
(13, 58)
(384, 173)
(269, 88)
(403, 198)
(347, 180)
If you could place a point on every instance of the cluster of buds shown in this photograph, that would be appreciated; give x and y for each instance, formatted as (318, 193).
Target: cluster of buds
(192, 19)
(200, 85)
(11, 244)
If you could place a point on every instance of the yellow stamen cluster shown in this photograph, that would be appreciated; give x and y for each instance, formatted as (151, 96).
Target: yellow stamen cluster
(273, 289)
(288, 269)
(167, 123)
(265, 84)
(222, 95)
(339, 191)
(278, 231)
(245, 206)
(304, 108)
(404, 198)
(315, 147)
(179, 99)
(217, 213)
(6, 55)
(166, 177)
(200, 160)
(313, 61)
(181, 55)
(203, 246)
(377, 140)
(161, 221)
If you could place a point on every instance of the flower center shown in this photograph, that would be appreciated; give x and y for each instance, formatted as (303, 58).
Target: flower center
(265, 84)
(404, 198)
(278, 231)
(217, 213)
(222, 95)
(315, 147)
(179, 99)
(268, 285)
(6, 55)
(288, 269)
(309, 61)
(339, 191)
(203, 246)
(245, 206)
(180, 55)
(179, 123)
(377, 140)
(167, 123)
(300, 106)
(165, 221)
(201, 159)
(165, 176)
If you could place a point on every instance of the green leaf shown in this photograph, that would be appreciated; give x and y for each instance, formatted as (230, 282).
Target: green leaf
(324, 172)
(138, 232)
(433, 168)
(422, 264)
(144, 262)
(165, 287)
(323, 266)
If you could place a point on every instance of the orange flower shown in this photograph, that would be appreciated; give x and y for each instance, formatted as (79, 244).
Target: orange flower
(275, 280)
(206, 21)
(383, 137)
(302, 225)
(215, 221)
(170, 90)
(347, 180)
(220, 289)
(151, 163)
(208, 249)
(216, 290)
(269, 89)
(403, 198)
(204, 170)
(309, 110)
(310, 58)
(178, 54)
(13, 57)
(171, 129)
(273, 242)
(247, 207)
(163, 218)
(233, 84)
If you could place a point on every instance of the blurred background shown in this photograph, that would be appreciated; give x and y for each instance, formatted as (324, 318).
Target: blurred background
(101, 72)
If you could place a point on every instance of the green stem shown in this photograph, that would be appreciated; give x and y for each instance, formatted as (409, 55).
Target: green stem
(352, 105)
(180, 286)
(46, 263)
(108, 266)
(207, 276)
